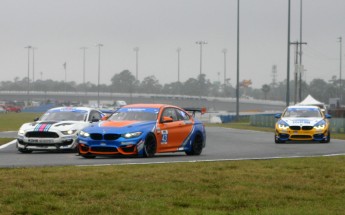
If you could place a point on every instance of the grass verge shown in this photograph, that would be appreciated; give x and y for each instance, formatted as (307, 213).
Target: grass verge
(282, 186)
(12, 121)
(5, 140)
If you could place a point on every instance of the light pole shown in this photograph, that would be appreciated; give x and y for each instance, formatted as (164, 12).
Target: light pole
(136, 49)
(33, 67)
(288, 58)
(300, 56)
(224, 52)
(238, 64)
(84, 50)
(28, 90)
(201, 43)
(340, 65)
(99, 71)
(65, 68)
(178, 64)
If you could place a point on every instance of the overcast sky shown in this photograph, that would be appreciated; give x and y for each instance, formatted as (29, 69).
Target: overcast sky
(59, 28)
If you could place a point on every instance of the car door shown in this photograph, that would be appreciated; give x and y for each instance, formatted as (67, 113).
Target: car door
(173, 132)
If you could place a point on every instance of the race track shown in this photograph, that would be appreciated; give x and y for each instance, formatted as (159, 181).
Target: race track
(222, 144)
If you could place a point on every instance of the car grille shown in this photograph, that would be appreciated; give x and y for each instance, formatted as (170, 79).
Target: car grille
(301, 136)
(66, 143)
(295, 128)
(42, 134)
(97, 136)
(307, 128)
(103, 149)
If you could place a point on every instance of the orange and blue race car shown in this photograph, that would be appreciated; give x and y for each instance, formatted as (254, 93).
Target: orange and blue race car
(144, 130)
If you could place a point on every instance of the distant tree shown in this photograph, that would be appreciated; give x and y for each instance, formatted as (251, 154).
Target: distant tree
(216, 89)
(174, 88)
(191, 87)
(124, 82)
(265, 89)
(150, 84)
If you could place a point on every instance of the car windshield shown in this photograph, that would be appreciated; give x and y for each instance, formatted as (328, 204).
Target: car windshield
(302, 112)
(64, 116)
(135, 114)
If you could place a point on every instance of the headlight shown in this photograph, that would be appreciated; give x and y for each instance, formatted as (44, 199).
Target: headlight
(21, 132)
(320, 125)
(69, 132)
(282, 124)
(132, 135)
(84, 134)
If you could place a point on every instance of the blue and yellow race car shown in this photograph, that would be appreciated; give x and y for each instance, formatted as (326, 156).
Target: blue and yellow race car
(144, 130)
(302, 123)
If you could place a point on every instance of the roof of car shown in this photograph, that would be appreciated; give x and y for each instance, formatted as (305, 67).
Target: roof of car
(148, 105)
(72, 108)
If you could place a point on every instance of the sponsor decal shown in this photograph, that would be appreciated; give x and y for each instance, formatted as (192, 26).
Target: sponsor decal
(301, 121)
(164, 137)
(149, 110)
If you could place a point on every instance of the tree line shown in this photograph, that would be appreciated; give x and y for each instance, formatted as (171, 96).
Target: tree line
(125, 82)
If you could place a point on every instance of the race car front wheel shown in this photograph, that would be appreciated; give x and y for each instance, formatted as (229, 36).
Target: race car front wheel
(328, 139)
(196, 147)
(150, 146)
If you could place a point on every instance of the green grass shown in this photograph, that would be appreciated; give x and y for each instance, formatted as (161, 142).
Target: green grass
(282, 186)
(5, 140)
(12, 121)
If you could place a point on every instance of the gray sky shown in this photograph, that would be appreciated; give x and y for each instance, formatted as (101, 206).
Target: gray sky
(58, 28)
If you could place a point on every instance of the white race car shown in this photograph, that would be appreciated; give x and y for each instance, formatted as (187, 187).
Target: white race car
(56, 129)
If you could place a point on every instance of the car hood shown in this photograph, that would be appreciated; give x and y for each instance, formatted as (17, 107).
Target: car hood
(120, 126)
(302, 121)
(51, 125)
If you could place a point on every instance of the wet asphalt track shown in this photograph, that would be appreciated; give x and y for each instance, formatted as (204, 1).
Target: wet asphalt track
(222, 144)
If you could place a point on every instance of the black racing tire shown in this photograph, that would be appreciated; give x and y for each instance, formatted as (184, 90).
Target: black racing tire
(278, 141)
(24, 151)
(328, 138)
(197, 146)
(89, 156)
(150, 146)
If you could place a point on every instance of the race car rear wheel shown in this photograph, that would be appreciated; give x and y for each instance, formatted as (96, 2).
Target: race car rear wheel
(197, 146)
(150, 146)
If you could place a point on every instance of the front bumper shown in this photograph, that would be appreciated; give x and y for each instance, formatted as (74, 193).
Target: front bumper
(47, 144)
(129, 147)
(301, 135)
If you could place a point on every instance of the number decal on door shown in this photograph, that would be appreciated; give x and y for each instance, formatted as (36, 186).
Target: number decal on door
(164, 137)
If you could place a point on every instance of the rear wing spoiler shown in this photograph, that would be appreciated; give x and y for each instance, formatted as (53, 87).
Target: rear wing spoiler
(194, 110)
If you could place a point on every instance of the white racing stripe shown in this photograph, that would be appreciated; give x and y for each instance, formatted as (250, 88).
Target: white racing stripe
(7, 144)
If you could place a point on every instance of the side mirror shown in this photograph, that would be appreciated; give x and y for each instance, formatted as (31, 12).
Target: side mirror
(105, 117)
(167, 119)
(278, 115)
(328, 116)
(94, 120)
(36, 119)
